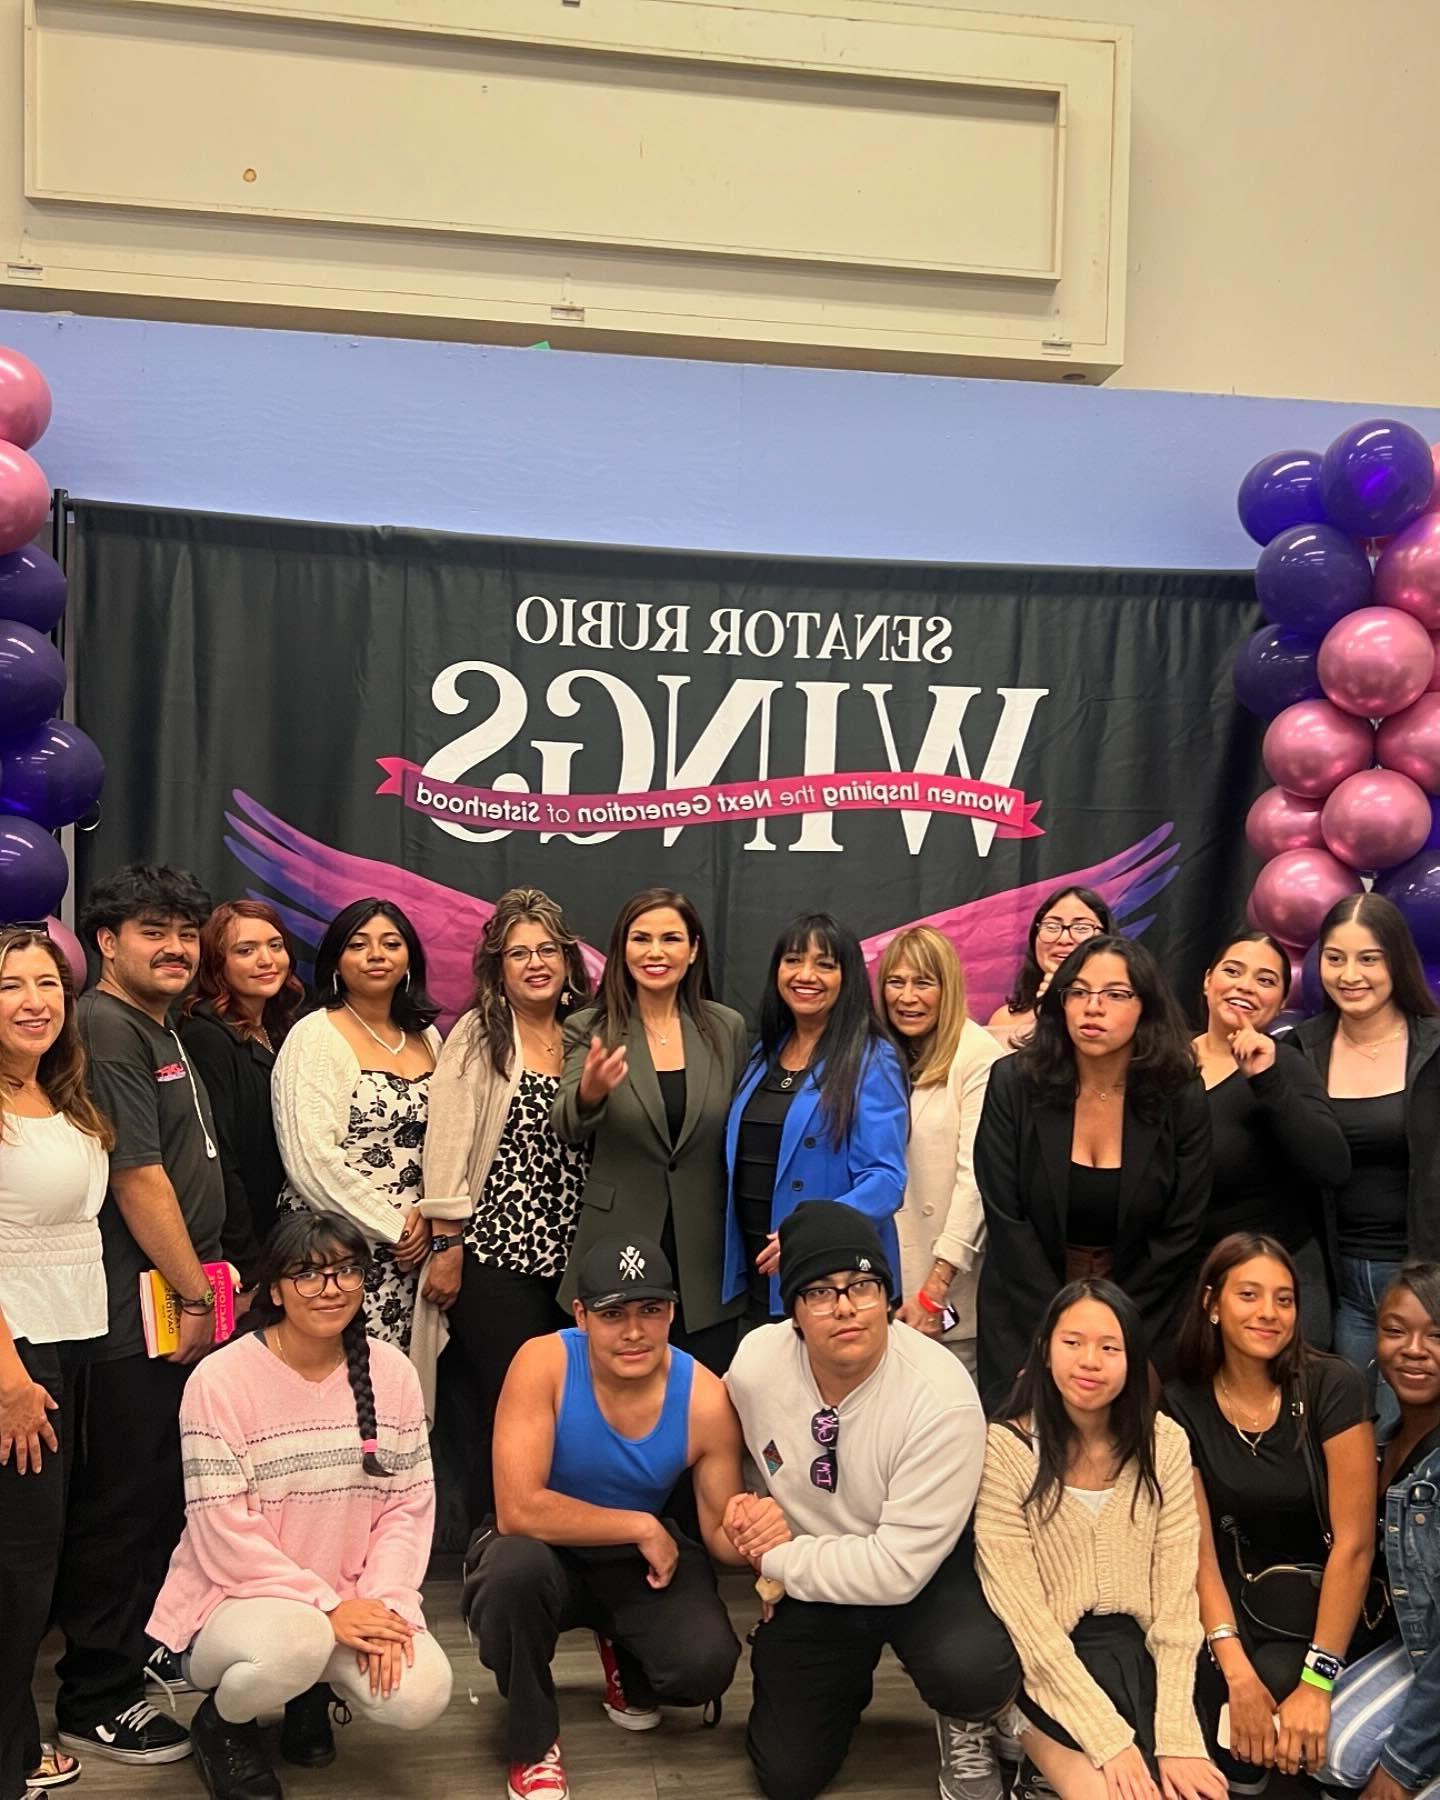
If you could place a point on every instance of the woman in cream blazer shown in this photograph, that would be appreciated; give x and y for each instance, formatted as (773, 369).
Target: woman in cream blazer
(941, 1223)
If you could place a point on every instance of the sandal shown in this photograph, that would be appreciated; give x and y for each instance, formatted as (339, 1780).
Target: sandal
(56, 1769)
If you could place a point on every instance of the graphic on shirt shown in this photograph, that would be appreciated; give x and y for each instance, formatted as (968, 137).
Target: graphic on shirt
(171, 1072)
(774, 1461)
(632, 1263)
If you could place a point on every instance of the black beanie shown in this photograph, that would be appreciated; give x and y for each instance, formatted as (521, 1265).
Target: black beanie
(822, 1237)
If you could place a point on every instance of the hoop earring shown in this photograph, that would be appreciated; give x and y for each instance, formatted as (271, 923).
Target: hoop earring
(335, 984)
(407, 981)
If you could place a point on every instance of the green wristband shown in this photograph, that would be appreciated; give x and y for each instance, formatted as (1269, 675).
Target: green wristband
(1317, 1681)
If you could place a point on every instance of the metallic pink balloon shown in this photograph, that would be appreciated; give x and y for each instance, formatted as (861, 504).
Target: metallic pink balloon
(1410, 742)
(1408, 573)
(1311, 747)
(1434, 687)
(1377, 819)
(24, 400)
(24, 498)
(1376, 661)
(65, 941)
(1295, 890)
(1280, 821)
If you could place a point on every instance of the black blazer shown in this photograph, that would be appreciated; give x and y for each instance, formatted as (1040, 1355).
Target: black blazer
(236, 1072)
(1422, 1125)
(1022, 1164)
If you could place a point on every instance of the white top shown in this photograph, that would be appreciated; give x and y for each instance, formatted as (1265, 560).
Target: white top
(52, 1184)
(910, 1450)
(1093, 1498)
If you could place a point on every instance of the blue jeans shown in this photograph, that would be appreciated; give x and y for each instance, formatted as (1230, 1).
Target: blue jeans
(1368, 1700)
(1362, 1287)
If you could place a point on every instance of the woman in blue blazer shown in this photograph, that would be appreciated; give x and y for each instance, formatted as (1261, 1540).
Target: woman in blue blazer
(821, 1112)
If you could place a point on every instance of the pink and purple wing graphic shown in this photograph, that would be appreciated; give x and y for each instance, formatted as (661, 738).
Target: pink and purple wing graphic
(315, 881)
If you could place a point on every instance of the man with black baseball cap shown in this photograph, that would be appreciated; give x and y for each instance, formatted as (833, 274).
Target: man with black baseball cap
(595, 1426)
(871, 1439)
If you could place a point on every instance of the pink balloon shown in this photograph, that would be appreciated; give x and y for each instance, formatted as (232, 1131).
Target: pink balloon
(1376, 819)
(1295, 890)
(1410, 742)
(1376, 661)
(1280, 821)
(65, 940)
(24, 400)
(1408, 574)
(1434, 506)
(1312, 746)
(1434, 687)
(24, 498)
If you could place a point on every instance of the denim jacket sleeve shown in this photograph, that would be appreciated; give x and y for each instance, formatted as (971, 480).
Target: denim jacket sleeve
(1412, 1751)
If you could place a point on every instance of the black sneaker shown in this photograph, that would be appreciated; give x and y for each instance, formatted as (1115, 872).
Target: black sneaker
(164, 1669)
(306, 1737)
(229, 1757)
(139, 1734)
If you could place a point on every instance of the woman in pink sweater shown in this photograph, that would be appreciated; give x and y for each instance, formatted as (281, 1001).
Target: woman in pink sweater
(309, 1511)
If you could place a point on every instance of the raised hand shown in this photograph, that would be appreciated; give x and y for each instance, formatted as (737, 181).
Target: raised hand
(1253, 1050)
(603, 1072)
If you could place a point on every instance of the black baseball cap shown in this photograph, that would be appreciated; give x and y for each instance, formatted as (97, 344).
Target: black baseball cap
(618, 1270)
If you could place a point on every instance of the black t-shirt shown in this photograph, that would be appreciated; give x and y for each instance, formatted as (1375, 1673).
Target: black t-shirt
(1093, 1211)
(1267, 1492)
(1255, 1184)
(140, 1080)
(672, 1094)
(1372, 1210)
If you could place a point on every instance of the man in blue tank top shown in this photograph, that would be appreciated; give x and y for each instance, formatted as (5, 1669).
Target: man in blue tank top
(595, 1426)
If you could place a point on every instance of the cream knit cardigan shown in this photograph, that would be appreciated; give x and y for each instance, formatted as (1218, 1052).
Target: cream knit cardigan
(1040, 1574)
(315, 1076)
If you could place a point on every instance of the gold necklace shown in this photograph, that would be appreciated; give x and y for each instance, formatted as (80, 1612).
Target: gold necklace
(548, 1045)
(1251, 1437)
(1102, 1093)
(661, 1037)
(1373, 1050)
(272, 1337)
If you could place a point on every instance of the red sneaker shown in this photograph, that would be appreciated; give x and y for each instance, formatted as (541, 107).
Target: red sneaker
(544, 1780)
(628, 1718)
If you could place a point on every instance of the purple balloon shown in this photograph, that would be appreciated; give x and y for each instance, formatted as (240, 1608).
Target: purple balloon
(1295, 890)
(1433, 841)
(1285, 1022)
(55, 777)
(32, 682)
(1377, 819)
(1376, 477)
(1376, 662)
(1277, 821)
(1280, 491)
(1312, 989)
(32, 589)
(33, 871)
(1415, 889)
(1275, 669)
(1309, 577)
(1312, 747)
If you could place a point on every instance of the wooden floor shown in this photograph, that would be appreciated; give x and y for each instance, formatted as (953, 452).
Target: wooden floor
(462, 1758)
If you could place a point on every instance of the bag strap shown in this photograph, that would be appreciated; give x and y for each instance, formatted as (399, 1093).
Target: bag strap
(1315, 1473)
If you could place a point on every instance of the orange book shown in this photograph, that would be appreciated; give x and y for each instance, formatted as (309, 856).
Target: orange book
(160, 1307)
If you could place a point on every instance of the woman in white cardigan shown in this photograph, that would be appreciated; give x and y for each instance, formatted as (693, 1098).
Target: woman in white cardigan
(351, 1099)
(941, 1224)
(490, 1138)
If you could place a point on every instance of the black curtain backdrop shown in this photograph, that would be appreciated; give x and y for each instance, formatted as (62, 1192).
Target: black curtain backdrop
(243, 677)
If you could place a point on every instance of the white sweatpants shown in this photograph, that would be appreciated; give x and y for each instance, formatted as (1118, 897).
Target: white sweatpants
(257, 1654)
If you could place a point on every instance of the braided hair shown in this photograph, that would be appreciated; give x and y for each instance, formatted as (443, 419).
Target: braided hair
(304, 1238)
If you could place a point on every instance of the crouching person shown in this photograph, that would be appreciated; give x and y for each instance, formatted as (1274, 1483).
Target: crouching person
(595, 1425)
(871, 1439)
(309, 1508)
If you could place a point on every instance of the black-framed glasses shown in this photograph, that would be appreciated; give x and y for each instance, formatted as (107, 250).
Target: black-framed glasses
(1077, 930)
(821, 1300)
(1112, 996)
(311, 1282)
(825, 1429)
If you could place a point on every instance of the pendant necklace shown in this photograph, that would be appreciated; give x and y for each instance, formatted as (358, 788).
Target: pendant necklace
(389, 1049)
(1251, 1438)
(1372, 1050)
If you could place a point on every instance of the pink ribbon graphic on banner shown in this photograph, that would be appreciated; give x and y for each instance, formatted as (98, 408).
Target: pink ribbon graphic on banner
(1006, 808)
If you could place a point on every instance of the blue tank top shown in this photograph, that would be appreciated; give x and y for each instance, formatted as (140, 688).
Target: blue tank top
(591, 1461)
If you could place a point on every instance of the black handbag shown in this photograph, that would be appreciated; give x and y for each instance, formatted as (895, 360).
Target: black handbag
(1282, 1599)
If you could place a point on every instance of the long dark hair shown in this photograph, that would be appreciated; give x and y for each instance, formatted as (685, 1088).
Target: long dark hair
(1162, 1060)
(852, 1033)
(301, 1240)
(411, 1007)
(1021, 998)
(616, 999)
(1052, 1430)
(1200, 1349)
(210, 983)
(494, 1022)
(1386, 924)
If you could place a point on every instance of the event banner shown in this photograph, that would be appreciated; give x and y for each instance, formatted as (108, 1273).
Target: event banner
(313, 713)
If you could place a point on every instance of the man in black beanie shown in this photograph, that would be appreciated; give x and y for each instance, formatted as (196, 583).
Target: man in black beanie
(871, 1439)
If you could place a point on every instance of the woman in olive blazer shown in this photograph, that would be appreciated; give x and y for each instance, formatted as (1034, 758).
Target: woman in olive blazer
(649, 1072)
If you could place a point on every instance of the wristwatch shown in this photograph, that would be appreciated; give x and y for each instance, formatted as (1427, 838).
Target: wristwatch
(1326, 1666)
(439, 1241)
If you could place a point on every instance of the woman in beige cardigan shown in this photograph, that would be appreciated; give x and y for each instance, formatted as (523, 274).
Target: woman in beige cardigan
(492, 1284)
(1088, 1542)
(941, 1223)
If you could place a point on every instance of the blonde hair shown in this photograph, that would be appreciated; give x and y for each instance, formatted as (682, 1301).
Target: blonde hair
(62, 1067)
(930, 954)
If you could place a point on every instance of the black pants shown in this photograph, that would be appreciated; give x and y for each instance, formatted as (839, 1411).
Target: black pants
(125, 1513)
(32, 1518)
(525, 1593)
(814, 1664)
(495, 1312)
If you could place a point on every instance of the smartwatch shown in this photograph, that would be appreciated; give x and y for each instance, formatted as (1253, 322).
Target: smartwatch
(439, 1241)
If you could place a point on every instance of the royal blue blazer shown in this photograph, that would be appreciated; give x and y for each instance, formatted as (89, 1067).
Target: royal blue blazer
(866, 1170)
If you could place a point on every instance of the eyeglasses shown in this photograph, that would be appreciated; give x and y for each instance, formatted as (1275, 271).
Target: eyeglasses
(825, 1429)
(862, 1294)
(1112, 996)
(311, 1282)
(1077, 930)
(523, 953)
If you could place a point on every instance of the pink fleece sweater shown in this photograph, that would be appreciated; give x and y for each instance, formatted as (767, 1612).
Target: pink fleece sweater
(277, 1504)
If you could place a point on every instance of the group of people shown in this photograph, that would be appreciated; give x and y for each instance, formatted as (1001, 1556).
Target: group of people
(788, 1257)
